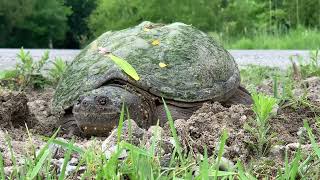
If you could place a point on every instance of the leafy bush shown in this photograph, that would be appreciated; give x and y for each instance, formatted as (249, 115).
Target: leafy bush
(27, 72)
(30, 73)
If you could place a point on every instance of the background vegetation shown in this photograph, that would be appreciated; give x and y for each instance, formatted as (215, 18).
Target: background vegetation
(235, 23)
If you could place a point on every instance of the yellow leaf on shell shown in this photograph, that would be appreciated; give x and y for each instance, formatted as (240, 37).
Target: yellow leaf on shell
(146, 29)
(162, 65)
(155, 42)
(125, 66)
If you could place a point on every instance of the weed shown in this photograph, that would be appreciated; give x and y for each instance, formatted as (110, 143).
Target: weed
(254, 75)
(311, 68)
(262, 106)
(290, 170)
(2, 174)
(56, 72)
(27, 72)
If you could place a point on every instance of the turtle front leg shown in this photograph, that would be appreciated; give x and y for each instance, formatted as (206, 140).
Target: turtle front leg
(241, 96)
(69, 125)
(98, 112)
(175, 111)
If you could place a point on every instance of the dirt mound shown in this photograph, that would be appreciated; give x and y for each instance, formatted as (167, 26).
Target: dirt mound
(310, 89)
(40, 107)
(14, 111)
(205, 126)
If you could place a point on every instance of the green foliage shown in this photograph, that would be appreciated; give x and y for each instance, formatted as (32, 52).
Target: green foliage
(254, 75)
(27, 72)
(244, 24)
(315, 145)
(311, 68)
(300, 38)
(30, 73)
(56, 72)
(231, 19)
(222, 144)
(32, 23)
(290, 170)
(78, 34)
(2, 174)
(262, 106)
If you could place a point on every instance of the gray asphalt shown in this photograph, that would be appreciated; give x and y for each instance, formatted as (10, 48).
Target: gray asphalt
(272, 58)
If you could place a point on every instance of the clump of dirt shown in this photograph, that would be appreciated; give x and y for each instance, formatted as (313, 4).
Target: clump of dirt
(14, 111)
(289, 125)
(310, 88)
(205, 126)
(40, 106)
(204, 129)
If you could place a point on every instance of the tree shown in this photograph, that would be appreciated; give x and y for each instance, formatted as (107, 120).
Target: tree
(119, 14)
(78, 33)
(12, 13)
(40, 24)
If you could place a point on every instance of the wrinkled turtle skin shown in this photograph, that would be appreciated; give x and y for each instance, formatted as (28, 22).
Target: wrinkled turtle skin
(197, 70)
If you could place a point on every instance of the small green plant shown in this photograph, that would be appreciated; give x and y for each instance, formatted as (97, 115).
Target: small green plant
(253, 75)
(263, 106)
(311, 68)
(290, 170)
(56, 72)
(27, 72)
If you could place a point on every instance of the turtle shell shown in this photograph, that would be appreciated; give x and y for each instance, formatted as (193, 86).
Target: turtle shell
(176, 61)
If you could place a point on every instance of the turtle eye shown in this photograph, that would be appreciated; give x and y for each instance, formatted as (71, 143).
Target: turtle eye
(102, 101)
(80, 100)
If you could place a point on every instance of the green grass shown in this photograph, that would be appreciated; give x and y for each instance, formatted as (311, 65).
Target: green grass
(300, 38)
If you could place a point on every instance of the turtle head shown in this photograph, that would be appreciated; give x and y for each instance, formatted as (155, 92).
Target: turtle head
(97, 112)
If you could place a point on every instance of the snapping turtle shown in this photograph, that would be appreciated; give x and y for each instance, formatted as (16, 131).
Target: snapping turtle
(177, 62)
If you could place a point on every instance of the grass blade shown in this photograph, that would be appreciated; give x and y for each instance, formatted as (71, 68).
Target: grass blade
(119, 130)
(65, 145)
(66, 160)
(2, 174)
(312, 139)
(222, 143)
(173, 131)
(125, 66)
(47, 144)
(13, 158)
(204, 169)
(38, 166)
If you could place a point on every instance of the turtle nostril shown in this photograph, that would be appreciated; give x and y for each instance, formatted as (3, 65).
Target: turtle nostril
(102, 101)
(78, 102)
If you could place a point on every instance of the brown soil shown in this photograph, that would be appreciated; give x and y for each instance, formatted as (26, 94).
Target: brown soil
(14, 111)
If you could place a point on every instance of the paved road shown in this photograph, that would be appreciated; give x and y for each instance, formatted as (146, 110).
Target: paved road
(272, 58)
